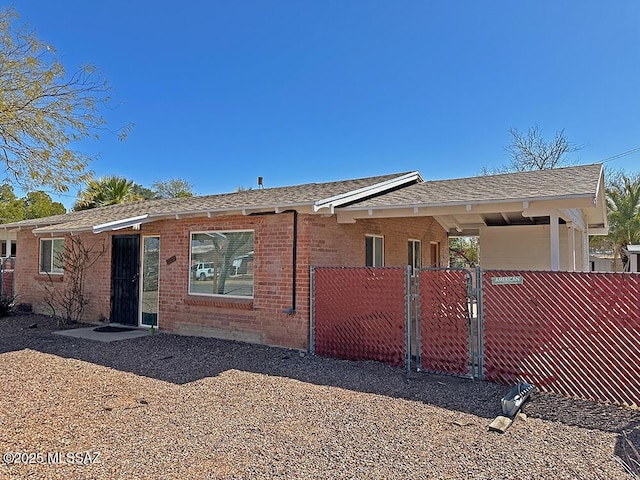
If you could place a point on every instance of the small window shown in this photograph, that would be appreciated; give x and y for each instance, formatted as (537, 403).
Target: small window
(51, 251)
(222, 263)
(374, 251)
(414, 255)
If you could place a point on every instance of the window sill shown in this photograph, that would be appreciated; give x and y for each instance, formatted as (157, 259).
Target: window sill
(55, 277)
(238, 303)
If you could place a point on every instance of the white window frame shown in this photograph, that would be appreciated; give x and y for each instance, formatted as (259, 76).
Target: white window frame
(417, 259)
(141, 286)
(54, 270)
(217, 295)
(373, 253)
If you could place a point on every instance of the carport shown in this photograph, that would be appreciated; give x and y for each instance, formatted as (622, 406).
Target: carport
(537, 220)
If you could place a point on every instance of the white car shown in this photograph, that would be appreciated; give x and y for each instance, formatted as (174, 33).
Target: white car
(202, 271)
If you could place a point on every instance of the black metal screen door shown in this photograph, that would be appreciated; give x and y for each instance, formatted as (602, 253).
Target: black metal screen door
(125, 272)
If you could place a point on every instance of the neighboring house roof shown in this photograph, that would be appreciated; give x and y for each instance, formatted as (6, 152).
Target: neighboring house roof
(633, 249)
(313, 196)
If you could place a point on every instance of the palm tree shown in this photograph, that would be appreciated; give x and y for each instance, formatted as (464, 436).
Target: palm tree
(108, 190)
(623, 202)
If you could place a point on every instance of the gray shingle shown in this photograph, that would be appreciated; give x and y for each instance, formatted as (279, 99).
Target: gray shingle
(570, 181)
(297, 195)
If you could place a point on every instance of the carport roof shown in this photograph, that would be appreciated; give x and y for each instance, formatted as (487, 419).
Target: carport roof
(580, 181)
(464, 205)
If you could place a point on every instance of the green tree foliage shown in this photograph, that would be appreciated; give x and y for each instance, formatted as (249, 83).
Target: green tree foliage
(11, 208)
(172, 188)
(44, 111)
(34, 205)
(144, 193)
(113, 189)
(623, 203)
(463, 251)
(39, 204)
(105, 191)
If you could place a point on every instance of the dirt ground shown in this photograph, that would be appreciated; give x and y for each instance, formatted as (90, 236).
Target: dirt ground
(167, 406)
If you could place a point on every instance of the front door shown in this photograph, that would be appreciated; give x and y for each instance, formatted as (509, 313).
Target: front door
(125, 272)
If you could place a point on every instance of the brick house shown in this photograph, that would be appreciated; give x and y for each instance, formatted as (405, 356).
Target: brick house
(236, 265)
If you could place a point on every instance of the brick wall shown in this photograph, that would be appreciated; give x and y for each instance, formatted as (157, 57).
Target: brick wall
(321, 241)
(30, 285)
(344, 244)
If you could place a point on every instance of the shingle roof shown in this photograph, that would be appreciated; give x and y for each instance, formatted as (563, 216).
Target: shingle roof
(580, 181)
(283, 197)
(522, 186)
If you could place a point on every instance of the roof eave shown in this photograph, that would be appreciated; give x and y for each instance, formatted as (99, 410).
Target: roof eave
(591, 201)
(368, 191)
(240, 210)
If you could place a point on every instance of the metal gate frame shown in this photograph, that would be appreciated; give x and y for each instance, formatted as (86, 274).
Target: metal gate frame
(473, 324)
(412, 323)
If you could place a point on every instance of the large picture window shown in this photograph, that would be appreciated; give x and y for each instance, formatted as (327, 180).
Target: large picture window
(374, 251)
(222, 263)
(51, 250)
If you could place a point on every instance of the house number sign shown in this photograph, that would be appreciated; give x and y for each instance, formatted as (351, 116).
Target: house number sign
(515, 280)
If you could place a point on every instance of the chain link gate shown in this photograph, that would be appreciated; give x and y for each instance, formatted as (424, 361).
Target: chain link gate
(426, 320)
(446, 337)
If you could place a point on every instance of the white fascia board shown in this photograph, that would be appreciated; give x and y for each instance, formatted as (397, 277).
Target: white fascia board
(600, 186)
(353, 195)
(120, 224)
(245, 210)
(49, 231)
(588, 197)
(598, 231)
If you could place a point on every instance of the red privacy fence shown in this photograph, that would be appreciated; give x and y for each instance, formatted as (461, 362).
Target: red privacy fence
(360, 313)
(577, 334)
(444, 317)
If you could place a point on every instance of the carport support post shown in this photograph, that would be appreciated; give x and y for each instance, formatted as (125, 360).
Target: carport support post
(571, 247)
(554, 231)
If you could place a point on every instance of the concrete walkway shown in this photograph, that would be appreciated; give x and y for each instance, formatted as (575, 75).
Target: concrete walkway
(89, 333)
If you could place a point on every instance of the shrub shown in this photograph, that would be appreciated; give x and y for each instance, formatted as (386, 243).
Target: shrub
(6, 305)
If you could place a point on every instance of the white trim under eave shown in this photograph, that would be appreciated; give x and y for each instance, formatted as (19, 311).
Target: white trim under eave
(120, 224)
(587, 197)
(360, 193)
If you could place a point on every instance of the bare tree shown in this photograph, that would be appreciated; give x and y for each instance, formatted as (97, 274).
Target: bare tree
(530, 151)
(172, 188)
(67, 301)
(44, 111)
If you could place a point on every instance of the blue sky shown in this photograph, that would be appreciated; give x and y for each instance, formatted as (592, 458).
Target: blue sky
(301, 91)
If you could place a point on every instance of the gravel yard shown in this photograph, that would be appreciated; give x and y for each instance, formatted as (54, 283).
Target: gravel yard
(166, 406)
